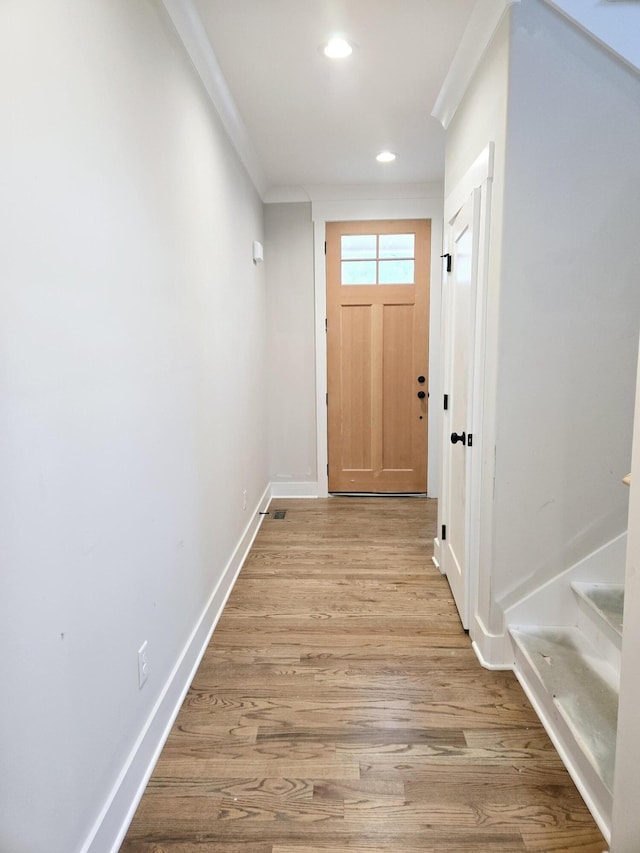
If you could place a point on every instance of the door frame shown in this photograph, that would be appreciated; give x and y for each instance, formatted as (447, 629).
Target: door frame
(481, 459)
(376, 209)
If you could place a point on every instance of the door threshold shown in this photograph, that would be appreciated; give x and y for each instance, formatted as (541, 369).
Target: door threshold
(378, 494)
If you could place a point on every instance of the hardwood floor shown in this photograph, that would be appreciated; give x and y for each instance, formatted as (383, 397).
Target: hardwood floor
(340, 707)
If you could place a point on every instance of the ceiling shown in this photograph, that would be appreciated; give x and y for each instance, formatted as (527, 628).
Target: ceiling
(313, 121)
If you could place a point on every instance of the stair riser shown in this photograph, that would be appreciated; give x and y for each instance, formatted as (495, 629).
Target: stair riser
(600, 633)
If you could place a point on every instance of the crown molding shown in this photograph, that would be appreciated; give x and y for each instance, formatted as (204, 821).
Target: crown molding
(485, 19)
(188, 25)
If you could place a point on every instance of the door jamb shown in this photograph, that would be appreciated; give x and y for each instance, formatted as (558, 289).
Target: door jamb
(362, 210)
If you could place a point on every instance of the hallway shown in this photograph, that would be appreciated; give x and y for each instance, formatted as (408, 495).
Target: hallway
(340, 706)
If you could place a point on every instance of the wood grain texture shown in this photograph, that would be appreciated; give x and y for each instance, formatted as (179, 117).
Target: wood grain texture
(377, 346)
(339, 707)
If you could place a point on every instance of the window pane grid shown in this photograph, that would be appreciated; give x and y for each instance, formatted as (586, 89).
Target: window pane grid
(372, 259)
(396, 246)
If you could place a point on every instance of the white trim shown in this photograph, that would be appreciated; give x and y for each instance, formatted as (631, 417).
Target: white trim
(320, 297)
(113, 821)
(191, 31)
(345, 210)
(437, 554)
(485, 19)
(494, 651)
(482, 442)
(295, 490)
(486, 663)
(481, 170)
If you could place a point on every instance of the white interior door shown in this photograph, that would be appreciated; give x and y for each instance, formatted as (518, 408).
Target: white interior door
(460, 300)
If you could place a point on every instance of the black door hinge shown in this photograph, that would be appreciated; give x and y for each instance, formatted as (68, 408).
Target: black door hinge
(446, 402)
(326, 398)
(326, 324)
(327, 468)
(444, 532)
(325, 247)
(449, 260)
(469, 440)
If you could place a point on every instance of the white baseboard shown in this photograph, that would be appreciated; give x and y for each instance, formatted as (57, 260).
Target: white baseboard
(486, 663)
(111, 826)
(437, 560)
(494, 651)
(296, 490)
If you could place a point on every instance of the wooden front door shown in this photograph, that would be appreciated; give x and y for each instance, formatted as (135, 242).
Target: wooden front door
(377, 355)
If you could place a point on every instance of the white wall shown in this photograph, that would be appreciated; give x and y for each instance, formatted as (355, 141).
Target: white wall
(570, 302)
(132, 330)
(291, 358)
(613, 23)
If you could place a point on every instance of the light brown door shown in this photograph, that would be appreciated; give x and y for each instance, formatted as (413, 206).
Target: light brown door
(377, 355)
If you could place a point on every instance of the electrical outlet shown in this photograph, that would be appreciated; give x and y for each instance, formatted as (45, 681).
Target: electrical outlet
(143, 664)
(244, 499)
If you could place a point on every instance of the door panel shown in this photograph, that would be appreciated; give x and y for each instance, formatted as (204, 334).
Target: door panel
(356, 390)
(377, 346)
(397, 387)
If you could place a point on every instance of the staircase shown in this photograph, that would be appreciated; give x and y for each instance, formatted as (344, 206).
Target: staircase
(571, 674)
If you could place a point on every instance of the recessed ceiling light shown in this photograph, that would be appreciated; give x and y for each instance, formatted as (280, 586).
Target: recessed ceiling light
(338, 48)
(385, 157)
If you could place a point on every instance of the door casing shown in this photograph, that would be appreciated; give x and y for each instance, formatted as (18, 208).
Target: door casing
(481, 461)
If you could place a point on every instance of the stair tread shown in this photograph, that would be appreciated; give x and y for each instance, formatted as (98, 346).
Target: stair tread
(582, 687)
(607, 599)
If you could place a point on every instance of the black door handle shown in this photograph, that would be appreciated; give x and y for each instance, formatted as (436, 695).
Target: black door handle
(421, 380)
(421, 395)
(455, 438)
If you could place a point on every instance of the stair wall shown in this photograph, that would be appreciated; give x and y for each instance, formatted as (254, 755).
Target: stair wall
(555, 603)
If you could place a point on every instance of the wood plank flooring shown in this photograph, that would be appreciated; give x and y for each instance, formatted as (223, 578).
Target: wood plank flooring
(340, 707)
